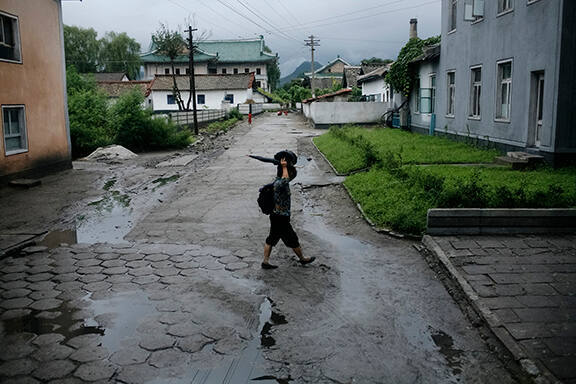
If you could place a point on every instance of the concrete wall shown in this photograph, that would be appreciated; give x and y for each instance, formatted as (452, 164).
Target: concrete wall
(245, 108)
(38, 83)
(159, 69)
(530, 36)
(344, 112)
(213, 99)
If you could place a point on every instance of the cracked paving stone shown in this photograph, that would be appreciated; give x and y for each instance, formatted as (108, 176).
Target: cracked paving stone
(17, 367)
(21, 302)
(156, 257)
(166, 272)
(180, 258)
(118, 279)
(229, 260)
(107, 256)
(98, 370)
(89, 353)
(97, 286)
(39, 277)
(83, 256)
(62, 278)
(137, 374)
(174, 318)
(196, 253)
(104, 249)
(129, 356)
(114, 263)
(46, 304)
(71, 295)
(187, 265)
(184, 329)
(48, 338)
(87, 263)
(42, 286)
(48, 294)
(13, 276)
(243, 253)
(194, 343)
(92, 278)
(90, 270)
(15, 313)
(217, 252)
(228, 345)
(236, 266)
(212, 265)
(189, 272)
(52, 352)
(142, 280)
(163, 264)
(131, 256)
(85, 341)
(15, 351)
(141, 271)
(69, 286)
(156, 342)
(168, 358)
(15, 293)
(54, 370)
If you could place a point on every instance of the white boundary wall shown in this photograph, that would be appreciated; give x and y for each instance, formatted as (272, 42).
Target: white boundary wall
(344, 112)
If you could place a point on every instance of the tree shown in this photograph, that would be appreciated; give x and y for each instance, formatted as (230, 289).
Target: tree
(82, 48)
(170, 44)
(273, 71)
(120, 53)
(376, 61)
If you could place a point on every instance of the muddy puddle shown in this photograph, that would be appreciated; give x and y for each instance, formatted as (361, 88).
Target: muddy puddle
(248, 367)
(309, 174)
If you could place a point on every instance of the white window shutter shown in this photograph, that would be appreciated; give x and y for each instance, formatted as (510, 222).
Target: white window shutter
(478, 10)
(468, 10)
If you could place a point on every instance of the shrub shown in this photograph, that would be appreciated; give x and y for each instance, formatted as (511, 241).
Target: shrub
(234, 113)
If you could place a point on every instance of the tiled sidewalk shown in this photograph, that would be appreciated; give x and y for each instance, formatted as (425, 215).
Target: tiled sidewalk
(525, 288)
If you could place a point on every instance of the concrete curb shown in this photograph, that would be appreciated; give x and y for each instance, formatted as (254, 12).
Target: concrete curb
(325, 158)
(494, 323)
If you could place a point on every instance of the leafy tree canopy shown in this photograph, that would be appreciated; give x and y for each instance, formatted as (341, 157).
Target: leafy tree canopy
(120, 53)
(82, 48)
(273, 71)
(399, 76)
(168, 43)
(376, 60)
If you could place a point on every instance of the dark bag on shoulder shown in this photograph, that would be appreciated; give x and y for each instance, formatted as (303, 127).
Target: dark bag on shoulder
(266, 199)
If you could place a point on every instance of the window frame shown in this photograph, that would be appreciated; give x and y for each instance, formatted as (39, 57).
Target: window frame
(166, 71)
(177, 71)
(17, 42)
(168, 99)
(23, 134)
(224, 71)
(453, 15)
(451, 94)
(203, 98)
(501, 12)
(417, 88)
(473, 86)
(229, 99)
(432, 81)
(258, 71)
(246, 70)
(499, 83)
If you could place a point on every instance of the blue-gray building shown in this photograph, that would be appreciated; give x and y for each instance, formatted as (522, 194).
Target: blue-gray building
(506, 73)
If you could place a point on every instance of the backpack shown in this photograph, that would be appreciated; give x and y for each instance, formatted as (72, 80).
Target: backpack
(266, 199)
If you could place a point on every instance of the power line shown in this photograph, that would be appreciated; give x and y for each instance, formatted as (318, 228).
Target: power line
(288, 11)
(209, 22)
(264, 20)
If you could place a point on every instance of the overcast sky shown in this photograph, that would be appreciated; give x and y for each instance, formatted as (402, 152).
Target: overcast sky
(353, 29)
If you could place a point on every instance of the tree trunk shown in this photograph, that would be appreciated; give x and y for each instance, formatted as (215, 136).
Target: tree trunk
(175, 90)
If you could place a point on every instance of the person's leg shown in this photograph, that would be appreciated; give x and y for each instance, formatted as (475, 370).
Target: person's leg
(267, 252)
(271, 240)
(290, 238)
(303, 260)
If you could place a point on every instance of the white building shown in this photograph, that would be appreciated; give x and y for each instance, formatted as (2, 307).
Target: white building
(374, 85)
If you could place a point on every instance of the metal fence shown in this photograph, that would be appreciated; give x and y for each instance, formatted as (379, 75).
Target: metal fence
(187, 117)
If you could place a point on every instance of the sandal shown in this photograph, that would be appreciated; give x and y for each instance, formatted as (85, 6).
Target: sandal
(268, 266)
(304, 262)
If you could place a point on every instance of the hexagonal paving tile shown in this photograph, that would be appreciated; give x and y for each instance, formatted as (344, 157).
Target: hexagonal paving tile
(65, 269)
(236, 266)
(52, 352)
(42, 286)
(15, 268)
(132, 256)
(14, 293)
(137, 374)
(229, 259)
(92, 278)
(83, 256)
(21, 302)
(89, 353)
(16, 351)
(84, 341)
(13, 276)
(69, 286)
(129, 356)
(156, 257)
(48, 338)
(194, 343)
(114, 263)
(97, 370)
(40, 269)
(168, 306)
(175, 280)
(119, 279)
(142, 280)
(54, 370)
(107, 256)
(184, 329)
(14, 284)
(64, 277)
(39, 259)
(156, 342)
(46, 304)
(87, 262)
(98, 286)
(174, 318)
(141, 271)
(166, 272)
(115, 271)
(168, 358)
(17, 367)
(138, 264)
(90, 270)
(15, 313)
(39, 277)
(243, 253)
(46, 294)
(22, 380)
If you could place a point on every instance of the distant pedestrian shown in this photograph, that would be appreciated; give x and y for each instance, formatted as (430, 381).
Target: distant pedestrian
(280, 227)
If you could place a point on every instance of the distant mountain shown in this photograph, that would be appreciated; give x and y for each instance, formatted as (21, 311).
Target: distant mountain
(302, 68)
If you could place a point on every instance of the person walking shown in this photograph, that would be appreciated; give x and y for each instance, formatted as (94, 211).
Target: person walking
(280, 226)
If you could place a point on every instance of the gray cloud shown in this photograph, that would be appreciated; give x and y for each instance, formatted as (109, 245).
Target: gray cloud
(353, 29)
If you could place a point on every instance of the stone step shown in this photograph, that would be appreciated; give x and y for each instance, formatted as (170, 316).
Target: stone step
(520, 160)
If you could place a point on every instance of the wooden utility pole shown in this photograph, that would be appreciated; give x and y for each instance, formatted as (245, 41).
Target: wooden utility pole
(311, 42)
(192, 94)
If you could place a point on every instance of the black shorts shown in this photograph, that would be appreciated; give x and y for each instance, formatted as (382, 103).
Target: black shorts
(280, 228)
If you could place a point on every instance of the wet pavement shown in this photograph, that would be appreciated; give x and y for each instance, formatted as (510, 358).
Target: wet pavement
(177, 295)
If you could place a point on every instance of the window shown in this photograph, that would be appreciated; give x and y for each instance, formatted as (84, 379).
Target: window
(170, 99)
(201, 99)
(505, 6)
(223, 71)
(452, 20)
(451, 80)
(235, 71)
(432, 93)
(258, 71)
(177, 71)
(246, 70)
(475, 92)
(417, 89)
(166, 71)
(258, 84)
(473, 10)
(504, 87)
(229, 98)
(9, 38)
(187, 71)
(14, 129)
(212, 71)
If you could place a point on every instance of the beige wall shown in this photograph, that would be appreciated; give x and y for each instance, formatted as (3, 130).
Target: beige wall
(38, 83)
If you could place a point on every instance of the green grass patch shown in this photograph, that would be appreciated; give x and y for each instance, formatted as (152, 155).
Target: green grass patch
(344, 156)
(400, 198)
(220, 126)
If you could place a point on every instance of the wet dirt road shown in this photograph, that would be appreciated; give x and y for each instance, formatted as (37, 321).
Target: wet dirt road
(181, 298)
